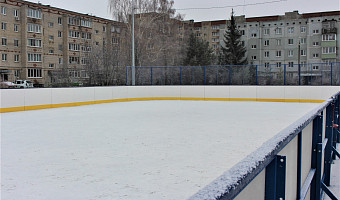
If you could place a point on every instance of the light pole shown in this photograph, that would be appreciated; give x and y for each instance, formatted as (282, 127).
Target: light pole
(133, 44)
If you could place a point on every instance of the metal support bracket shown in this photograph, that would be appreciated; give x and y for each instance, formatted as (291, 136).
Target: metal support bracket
(276, 179)
(328, 192)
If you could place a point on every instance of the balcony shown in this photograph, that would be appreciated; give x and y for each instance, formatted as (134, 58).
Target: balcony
(329, 30)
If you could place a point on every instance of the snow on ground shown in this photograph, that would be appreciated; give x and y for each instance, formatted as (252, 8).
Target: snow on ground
(132, 150)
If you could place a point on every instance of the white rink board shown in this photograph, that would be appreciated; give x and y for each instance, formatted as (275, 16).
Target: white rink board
(132, 150)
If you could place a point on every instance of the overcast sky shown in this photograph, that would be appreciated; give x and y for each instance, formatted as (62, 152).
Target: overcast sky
(276, 7)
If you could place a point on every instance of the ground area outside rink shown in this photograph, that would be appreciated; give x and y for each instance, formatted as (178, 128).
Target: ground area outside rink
(132, 150)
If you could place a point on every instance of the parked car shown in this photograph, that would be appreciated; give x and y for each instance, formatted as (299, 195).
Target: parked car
(23, 84)
(7, 84)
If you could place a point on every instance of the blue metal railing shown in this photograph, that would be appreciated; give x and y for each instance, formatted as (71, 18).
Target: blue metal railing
(273, 74)
(317, 181)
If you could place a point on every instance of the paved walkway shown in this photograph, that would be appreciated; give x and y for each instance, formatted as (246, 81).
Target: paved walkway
(335, 178)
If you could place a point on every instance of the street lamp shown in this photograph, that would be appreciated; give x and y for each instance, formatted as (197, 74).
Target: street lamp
(133, 44)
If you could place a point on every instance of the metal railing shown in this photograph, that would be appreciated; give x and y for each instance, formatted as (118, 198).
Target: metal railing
(319, 175)
(274, 74)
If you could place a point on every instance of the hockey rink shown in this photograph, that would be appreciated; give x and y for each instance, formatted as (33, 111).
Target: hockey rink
(141, 150)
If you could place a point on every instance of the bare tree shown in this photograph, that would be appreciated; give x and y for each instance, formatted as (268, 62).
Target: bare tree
(158, 38)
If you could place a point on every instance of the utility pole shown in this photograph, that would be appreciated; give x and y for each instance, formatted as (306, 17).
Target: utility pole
(299, 66)
(133, 44)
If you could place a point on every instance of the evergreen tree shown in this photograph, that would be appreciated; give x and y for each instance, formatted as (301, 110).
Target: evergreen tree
(233, 53)
(198, 52)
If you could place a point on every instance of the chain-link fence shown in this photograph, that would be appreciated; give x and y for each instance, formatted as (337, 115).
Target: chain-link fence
(275, 74)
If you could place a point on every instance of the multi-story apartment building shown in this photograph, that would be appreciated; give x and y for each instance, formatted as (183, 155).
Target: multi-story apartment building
(37, 39)
(283, 41)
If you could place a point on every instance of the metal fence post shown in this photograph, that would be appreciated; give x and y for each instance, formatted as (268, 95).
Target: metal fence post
(328, 149)
(331, 73)
(299, 69)
(284, 73)
(299, 157)
(204, 75)
(256, 75)
(126, 75)
(229, 74)
(317, 138)
(275, 185)
(151, 75)
(180, 75)
(318, 172)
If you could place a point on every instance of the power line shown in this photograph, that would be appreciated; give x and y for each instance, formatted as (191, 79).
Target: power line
(234, 6)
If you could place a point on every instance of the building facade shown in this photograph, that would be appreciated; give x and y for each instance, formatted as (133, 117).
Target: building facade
(38, 39)
(280, 43)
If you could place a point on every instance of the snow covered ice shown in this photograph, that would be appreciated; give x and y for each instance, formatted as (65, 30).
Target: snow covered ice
(132, 150)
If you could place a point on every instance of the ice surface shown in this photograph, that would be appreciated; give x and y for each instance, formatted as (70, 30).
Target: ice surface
(133, 150)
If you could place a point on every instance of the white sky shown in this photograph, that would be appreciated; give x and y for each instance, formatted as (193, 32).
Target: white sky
(278, 7)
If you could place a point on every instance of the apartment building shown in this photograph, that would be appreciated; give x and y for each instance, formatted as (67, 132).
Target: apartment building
(37, 39)
(279, 42)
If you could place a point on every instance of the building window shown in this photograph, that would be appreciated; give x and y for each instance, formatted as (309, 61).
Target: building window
(266, 31)
(16, 13)
(290, 64)
(51, 65)
(86, 48)
(278, 31)
(253, 35)
(33, 42)
(290, 42)
(266, 65)
(16, 28)
(3, 10)
(51, 37)
(4, 57)
(86, 23)
(96, 31)
(303, 40)
(34, 73)
(329, 37)
(3, 25)
(215, 34)
(4, 41)
(60, 22)
(215, 27)
(97, 43)
(266, 43)
(50, 24)
(16, 43)
(266, 54)
(278, 64)
(242, 32)
(51, 51)
(253, 57)
(16, 58)
(290, 53)
(32, 13)
(59, 34)
(34, 57)
(104, 28)
(303, 52)
(60, 47)
(315, 67)
(35, 28)
(278, 53)
(73, 60)
(73, 34)
(278, 42)
(303, 29)
(315, 43)
(316, 31)
(87, 36)
(290, 30)
(73, 47)
(315, 55)
(60, 60)
(84, 61)
(328, 50)
(253, 46)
